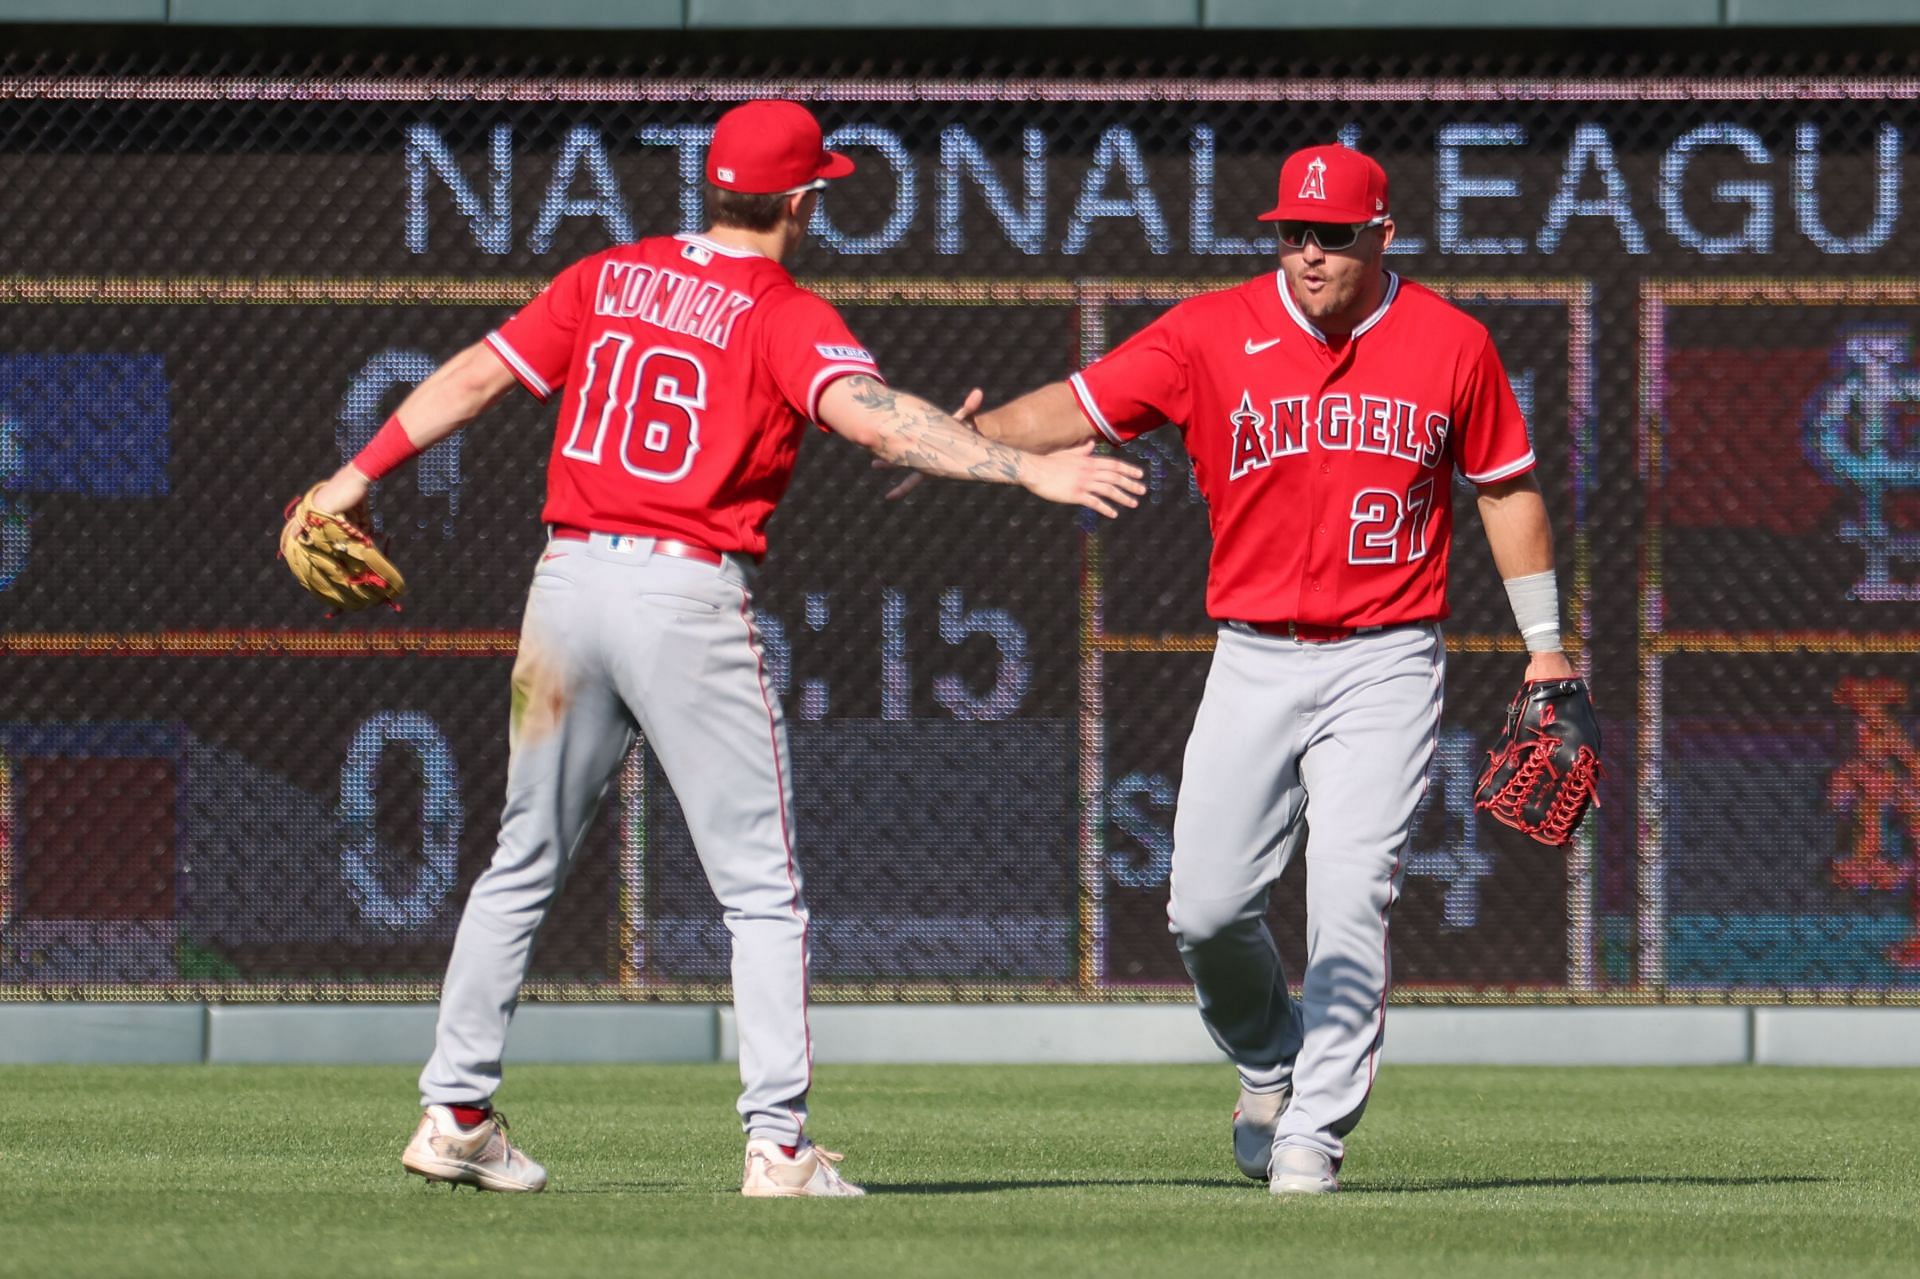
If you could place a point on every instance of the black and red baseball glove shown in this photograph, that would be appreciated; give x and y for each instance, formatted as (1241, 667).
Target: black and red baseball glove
(1541, 774)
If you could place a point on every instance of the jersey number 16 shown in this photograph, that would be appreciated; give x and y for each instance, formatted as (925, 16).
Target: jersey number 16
(662, 391)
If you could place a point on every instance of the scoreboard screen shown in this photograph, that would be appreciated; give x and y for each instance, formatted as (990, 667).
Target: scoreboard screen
(218, 287)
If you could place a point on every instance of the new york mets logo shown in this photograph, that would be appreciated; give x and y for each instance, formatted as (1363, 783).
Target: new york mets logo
(1315, 187)
(1861, 429)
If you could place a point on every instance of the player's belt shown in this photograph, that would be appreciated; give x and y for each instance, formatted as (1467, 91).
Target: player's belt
(661, 545)
(1305, 632)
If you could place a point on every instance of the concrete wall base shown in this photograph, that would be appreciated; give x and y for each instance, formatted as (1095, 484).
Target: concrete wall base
(952, 1033)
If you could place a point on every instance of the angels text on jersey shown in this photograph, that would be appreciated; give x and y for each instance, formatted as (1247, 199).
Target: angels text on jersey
(1335, 421)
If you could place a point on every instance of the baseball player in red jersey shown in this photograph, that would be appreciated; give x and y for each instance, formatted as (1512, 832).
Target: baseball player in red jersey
(684, 369)
(1325, 407)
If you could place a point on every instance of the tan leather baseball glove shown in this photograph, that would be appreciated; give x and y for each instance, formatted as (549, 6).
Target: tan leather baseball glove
(330, 556)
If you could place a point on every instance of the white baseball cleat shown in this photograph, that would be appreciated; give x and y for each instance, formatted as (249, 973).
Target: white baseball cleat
(1254, 1119)
(441, 1150)
(1299, 1170)
(810, 1173)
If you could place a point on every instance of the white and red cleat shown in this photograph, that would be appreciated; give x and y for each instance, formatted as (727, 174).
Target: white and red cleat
(441, 1150)
(808, 1173)
(1254, 1119)
(1300, 1170)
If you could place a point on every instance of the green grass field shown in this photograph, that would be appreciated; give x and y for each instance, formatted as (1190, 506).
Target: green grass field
(1056, 1171)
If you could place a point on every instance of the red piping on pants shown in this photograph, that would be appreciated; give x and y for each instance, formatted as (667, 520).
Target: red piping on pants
(786, 833)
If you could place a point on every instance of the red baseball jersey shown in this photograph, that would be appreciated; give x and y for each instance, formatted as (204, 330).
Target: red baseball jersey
(1326, 466)
(686, 371)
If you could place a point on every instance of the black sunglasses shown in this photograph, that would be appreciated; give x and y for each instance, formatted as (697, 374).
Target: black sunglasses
(1330, 236)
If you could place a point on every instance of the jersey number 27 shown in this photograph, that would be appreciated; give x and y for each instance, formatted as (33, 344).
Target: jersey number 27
(653, 402)
(1387, 528)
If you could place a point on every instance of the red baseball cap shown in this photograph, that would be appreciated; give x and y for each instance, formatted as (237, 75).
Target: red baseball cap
(1330, 184)
(769, 146)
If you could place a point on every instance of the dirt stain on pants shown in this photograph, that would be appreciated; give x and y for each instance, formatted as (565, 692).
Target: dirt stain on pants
(541, 691)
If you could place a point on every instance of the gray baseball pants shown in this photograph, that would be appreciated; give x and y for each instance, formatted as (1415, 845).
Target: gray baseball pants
(1324, 746)
(617, 637)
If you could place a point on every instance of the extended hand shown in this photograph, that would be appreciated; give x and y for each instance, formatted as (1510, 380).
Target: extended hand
(345, 495)
(1075, 477)
(914, 479)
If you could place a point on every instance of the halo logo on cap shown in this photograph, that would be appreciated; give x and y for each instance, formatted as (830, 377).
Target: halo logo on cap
(1315, 187)
(1330, 183)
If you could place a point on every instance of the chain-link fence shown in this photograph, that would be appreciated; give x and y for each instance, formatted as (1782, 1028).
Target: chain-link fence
(221, 273)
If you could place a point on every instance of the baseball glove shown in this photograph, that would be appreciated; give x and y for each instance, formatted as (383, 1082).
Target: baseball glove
(1541, 773)
(333, 559)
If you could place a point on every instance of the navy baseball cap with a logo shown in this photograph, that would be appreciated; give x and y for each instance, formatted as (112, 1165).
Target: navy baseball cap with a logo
(770, 146)
(1330, 184)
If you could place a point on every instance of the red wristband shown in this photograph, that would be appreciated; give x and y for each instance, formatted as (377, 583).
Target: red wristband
(388, 449)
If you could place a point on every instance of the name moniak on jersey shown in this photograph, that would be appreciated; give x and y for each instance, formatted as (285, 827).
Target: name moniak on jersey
(1392, 428)
(672, 301)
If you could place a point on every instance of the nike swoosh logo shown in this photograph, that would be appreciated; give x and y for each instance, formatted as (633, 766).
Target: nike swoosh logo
(552, 555)
(1254, 348)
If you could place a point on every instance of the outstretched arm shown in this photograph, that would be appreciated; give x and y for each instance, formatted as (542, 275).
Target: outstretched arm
(452, 396)
(905, 430)
(1042, 421)
(1521, 538)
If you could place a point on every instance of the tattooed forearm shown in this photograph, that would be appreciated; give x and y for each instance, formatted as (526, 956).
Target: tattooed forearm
(871, 394)
(911, 432)
(1001, 464)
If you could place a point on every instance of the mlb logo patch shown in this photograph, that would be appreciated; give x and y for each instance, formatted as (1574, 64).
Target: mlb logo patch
(725, 175)
(855, 353)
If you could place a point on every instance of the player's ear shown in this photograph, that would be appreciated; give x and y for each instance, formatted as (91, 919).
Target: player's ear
(1386, 234)
(800, 206)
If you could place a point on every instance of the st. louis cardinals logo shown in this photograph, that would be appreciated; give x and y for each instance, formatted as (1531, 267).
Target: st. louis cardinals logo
(1876, 794)
(1315, 187)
